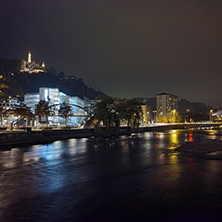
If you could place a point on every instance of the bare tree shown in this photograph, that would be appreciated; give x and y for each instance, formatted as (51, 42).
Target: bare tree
(64, 111)
(43, 109)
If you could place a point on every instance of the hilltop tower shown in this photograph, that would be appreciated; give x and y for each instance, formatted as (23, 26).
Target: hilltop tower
(29, 57)
(31, 66)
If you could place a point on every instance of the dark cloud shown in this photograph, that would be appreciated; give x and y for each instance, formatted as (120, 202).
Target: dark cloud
(125, 48)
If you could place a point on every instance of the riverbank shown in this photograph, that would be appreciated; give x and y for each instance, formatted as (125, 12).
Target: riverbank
(33, 136)
(29, 136)
(41, 136)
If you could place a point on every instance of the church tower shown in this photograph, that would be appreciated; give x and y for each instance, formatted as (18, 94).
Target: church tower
(31, 66)
(29, 57)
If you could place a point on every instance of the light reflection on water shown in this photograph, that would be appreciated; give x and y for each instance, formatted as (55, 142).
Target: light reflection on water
(73, 168)
(161, 141)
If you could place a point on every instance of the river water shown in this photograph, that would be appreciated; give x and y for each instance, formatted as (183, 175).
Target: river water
(118, 179)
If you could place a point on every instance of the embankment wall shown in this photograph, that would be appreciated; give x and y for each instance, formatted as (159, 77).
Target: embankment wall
(32, 137)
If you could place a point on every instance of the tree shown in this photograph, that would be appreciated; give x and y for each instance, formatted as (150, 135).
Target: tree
(106, 113)
(61, 76)
(130, 111)
(174, 117)
(51, 70)
(109, 111)
(24, 111)
(43, 109)
(161, 119)
(64, 111)
(104, 110)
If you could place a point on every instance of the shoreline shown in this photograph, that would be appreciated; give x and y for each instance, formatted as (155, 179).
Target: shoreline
(41, 136)
(205, 149)
(29, 137)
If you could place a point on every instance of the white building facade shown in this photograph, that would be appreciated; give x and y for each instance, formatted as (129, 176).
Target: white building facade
(77, 106)
(55, 98)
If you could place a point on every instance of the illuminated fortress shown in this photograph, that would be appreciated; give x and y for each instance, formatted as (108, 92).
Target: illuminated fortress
(32, 67)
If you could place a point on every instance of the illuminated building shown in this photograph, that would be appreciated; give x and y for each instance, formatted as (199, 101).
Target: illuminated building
(89, 104)
(78, 109)
(215, 116)
(147, 114)
(9, 103)
(31, 66)
(166, 103)
(55, 98)
(31, 99)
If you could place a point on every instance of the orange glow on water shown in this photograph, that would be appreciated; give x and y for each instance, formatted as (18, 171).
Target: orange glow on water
(190, 138)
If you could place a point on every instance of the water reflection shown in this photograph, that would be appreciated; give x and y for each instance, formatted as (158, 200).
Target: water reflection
(67, 177)
(211, 134)
(161, 140)
(190, 138)
(174, 139)
(143, 147)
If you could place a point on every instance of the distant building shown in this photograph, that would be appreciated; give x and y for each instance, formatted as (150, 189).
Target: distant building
(147, 114)
(89, 105)
(32, 67)
(10, 103)
(216, 116)
(31, 99)
(166, 103)
(55, 99)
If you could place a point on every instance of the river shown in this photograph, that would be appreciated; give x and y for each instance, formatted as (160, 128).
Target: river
(118, 179)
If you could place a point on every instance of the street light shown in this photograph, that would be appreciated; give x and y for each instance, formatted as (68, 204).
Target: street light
(174, 112)
(210, 115)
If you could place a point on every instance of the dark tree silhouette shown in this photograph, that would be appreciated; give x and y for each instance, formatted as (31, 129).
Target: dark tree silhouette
(43, 109)
(64, 111)
(23, 111)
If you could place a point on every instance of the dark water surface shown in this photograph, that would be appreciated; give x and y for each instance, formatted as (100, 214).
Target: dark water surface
(117, 179)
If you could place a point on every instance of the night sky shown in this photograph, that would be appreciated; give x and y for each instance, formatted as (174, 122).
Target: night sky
(126, 48)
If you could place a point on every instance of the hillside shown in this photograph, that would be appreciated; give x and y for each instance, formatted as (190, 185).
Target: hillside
(13, 83)
(72, 86)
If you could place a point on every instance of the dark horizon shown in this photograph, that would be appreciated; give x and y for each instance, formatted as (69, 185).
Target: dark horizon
(123, 48)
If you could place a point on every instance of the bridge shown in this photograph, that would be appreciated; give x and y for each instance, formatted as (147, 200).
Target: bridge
(168, 126)
(86, 115)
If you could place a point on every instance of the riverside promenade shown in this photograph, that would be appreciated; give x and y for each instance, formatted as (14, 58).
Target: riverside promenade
(30, 136)
(33, 136)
